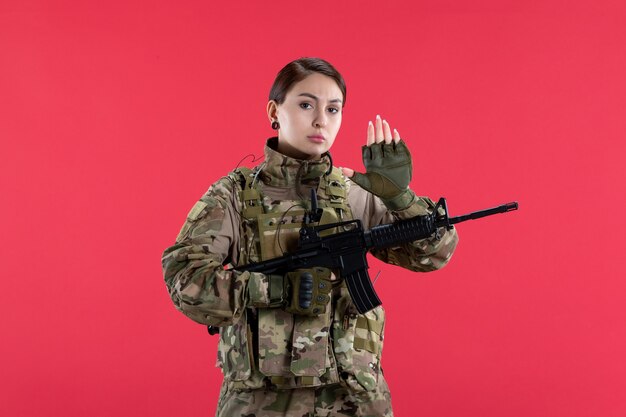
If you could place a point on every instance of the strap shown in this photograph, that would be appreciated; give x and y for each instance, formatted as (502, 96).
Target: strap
(334, 188)
(276, 290)
(369, 325)
(335, 184)
(307, 380)
(302, 381)
(251, 202)
(370, 346)
(278, 380)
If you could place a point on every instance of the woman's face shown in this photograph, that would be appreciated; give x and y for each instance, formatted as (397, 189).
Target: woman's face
(309, 117)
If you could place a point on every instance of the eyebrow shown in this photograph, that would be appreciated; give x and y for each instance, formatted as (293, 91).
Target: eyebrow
(335, 100)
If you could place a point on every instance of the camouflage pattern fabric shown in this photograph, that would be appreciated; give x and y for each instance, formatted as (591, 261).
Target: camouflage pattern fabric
(332, 360)
(326, 401)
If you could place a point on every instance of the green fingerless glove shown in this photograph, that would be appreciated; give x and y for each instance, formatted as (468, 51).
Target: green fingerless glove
(388, 171)
(308, 290)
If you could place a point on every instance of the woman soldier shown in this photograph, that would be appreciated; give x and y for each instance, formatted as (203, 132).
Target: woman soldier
(279, 357)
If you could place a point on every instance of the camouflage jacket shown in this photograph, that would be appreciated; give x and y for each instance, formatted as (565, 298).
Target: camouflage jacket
(258, 342)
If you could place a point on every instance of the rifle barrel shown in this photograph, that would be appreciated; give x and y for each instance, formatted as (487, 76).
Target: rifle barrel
(483, 213)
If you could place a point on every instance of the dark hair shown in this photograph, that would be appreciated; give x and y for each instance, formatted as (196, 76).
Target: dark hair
(298, 70)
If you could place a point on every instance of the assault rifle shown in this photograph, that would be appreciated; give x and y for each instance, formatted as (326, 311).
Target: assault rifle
(347, 250)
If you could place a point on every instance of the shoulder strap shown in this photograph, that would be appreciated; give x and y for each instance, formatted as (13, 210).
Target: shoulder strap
(335, 188)
(249, 196)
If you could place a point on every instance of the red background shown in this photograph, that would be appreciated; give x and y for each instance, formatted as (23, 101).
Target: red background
(115, 118)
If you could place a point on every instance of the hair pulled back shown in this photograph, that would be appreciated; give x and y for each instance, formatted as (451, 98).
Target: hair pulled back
(298, 70)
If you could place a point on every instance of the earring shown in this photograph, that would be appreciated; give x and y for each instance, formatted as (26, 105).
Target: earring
(275, 125)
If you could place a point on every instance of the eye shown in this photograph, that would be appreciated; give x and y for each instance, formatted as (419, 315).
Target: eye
(333, 110)
(305, 104)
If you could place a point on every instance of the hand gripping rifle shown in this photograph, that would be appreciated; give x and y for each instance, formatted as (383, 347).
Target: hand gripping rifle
(346, 250)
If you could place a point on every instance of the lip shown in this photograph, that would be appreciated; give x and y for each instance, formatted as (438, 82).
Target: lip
(316, 138)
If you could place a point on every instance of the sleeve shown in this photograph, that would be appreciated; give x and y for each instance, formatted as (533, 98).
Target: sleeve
(422, 255)
(193, 267)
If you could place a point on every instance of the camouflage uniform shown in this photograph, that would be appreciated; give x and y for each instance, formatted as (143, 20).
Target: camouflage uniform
(275, 363)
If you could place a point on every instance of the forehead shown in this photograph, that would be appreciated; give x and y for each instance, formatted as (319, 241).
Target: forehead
(319, 85)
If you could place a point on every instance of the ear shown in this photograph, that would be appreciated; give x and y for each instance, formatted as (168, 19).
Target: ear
(272, 110)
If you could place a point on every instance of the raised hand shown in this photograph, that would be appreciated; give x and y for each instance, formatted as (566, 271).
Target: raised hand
(388, 166)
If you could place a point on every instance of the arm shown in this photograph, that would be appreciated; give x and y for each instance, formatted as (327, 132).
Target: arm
(383, 196)
(420, 256)
(193, 267)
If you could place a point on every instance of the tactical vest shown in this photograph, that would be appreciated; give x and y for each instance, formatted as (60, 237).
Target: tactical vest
(292, 351)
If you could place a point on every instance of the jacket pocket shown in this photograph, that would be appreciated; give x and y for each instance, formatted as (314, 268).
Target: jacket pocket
(275, 334)
(358, 345)
(368, 347)
(309, 356)
(234, 353)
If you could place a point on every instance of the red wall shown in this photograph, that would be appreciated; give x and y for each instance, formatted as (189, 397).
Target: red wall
(116, 117)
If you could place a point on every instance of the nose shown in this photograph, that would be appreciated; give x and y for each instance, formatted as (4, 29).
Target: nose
(320, 119)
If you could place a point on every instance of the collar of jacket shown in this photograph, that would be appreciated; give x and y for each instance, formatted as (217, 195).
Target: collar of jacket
(283, 171)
